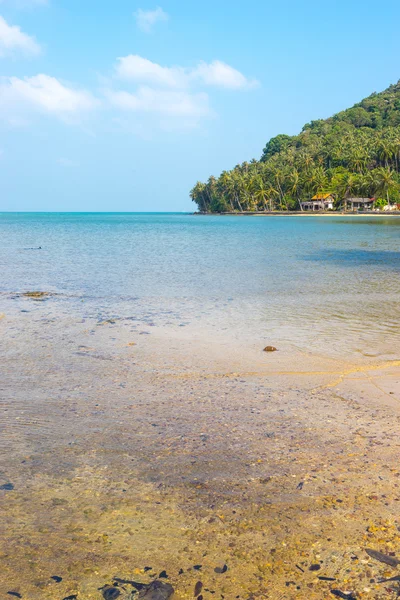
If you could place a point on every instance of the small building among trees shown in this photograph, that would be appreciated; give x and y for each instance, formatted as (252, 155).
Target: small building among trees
(360, 203)
(319, 202)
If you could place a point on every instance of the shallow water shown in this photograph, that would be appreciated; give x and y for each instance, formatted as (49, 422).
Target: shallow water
(143, 425)
(325, 285)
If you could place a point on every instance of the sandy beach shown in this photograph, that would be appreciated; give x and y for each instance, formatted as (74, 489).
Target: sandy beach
(309, 213)
(186, 455)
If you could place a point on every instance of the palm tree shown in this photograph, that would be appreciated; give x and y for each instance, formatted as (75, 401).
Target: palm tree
(199, 196)
(260, 191)
(383, 180)
(295, 185)
(385, 151)
(347, 183)
(225, 188)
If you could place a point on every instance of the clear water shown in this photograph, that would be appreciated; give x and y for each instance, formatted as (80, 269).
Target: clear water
(311, 283)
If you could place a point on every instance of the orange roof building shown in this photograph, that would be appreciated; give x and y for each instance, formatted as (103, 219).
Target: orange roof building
(319, 202)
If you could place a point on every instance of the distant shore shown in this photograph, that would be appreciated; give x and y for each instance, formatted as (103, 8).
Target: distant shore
(299, 213)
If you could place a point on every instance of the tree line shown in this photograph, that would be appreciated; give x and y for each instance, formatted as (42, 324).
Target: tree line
(355, 153)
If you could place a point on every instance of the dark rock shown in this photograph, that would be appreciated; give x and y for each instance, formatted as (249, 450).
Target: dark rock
(344, 595)
(315, 567)
(388, 560)
(110, 593)
(197, 567)
(163, 575)
(197, 588)
(157, 590)
(73, 597)
(136, 584)
(16, 594)
(221, 569)
(56, 578)
(7, 486)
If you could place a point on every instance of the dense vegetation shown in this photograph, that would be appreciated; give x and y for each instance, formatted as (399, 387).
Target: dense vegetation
(354, 153)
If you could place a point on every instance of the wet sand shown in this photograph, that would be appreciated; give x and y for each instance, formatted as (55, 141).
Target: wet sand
(162, 448)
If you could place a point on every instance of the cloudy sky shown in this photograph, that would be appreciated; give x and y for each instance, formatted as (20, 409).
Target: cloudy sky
(124, 105)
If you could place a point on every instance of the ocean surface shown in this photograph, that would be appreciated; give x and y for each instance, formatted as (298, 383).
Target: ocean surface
(314, 284)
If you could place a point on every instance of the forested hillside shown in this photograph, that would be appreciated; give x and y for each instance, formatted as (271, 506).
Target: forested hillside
(354, 153)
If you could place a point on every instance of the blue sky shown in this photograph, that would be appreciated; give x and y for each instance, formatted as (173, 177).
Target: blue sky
(124, 105)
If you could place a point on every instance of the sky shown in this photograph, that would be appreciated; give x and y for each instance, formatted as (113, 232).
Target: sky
(124, 105)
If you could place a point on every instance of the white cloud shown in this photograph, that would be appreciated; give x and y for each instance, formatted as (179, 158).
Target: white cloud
(141, 70)
(146, 19)
(162, 102)
(172, 94)
(220, 74)
(45, 94)
(13, 39)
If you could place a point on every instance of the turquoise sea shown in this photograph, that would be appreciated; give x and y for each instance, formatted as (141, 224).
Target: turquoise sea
(318, 284)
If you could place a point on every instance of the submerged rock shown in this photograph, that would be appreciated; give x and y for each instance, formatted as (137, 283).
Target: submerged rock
(269, 349)
(7, 486)
(344, 595)
(110, 593)
(221, 569)
(389, 560)
(157, 590)
(36, 295)
(197, 588)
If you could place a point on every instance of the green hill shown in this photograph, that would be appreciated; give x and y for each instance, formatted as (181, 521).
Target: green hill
(354, 153)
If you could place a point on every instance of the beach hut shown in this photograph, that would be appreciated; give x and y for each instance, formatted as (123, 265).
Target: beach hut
(319, 202)
(360, 203)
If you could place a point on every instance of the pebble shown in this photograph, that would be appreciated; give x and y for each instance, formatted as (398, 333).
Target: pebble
(7, 486)
(221, 569)
(197, 588)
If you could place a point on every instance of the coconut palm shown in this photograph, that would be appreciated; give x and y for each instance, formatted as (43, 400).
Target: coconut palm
(383, 179)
